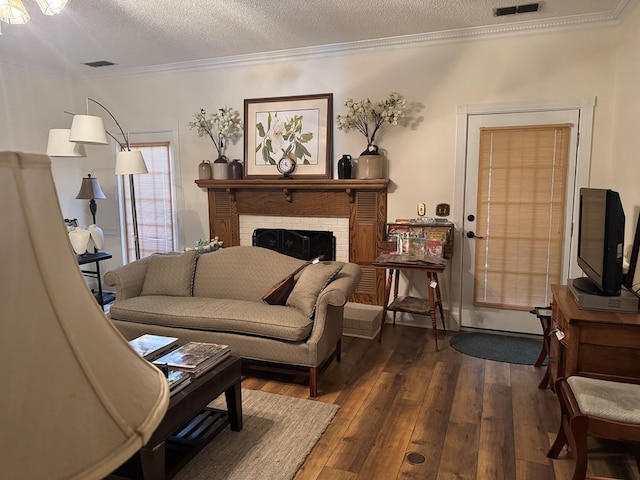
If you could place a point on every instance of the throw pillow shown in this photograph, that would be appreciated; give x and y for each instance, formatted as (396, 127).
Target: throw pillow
(170, 274)
(311, 282)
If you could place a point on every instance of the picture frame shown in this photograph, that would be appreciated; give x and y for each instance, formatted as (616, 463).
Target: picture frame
(299, 127)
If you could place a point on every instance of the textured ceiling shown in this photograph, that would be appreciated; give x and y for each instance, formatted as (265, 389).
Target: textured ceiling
(145, 35)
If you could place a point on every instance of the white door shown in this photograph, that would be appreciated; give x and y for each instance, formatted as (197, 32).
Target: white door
(497, 318)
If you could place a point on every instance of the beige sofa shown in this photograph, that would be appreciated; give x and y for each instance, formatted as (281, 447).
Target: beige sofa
(217, 297)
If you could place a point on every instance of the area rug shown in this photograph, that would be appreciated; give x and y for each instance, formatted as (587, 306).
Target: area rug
(277, 435)
(501, 348)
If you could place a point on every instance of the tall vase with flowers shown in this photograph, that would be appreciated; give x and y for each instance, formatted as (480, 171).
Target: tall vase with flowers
(221, 127)
(368, 118)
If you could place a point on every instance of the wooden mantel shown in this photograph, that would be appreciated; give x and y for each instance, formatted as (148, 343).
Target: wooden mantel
(364, 202)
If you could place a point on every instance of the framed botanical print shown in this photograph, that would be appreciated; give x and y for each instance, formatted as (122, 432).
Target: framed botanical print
(288, 134)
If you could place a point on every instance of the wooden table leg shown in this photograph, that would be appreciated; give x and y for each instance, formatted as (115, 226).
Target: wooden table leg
(233, 396)
(153, 462)
(432, 310)
(395, 273)
(439, 301)
(387, 293)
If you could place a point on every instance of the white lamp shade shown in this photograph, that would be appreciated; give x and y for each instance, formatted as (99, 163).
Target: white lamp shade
(88, 129)
(77, 401)
(59, 145)
(130, 163)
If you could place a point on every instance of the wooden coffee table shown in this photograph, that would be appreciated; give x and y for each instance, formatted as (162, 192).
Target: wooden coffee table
(189, 424)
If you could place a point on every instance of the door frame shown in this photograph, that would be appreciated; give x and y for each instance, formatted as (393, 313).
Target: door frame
(585, 106)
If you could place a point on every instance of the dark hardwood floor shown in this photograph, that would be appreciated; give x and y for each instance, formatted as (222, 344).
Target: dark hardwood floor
(469, 418)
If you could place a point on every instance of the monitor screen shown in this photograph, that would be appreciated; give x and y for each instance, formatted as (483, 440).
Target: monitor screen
(600, 241)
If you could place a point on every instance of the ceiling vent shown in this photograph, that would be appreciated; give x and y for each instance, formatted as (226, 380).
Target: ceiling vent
(99, 63)
(528, 8)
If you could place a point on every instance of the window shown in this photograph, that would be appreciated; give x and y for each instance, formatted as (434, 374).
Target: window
(155, 206)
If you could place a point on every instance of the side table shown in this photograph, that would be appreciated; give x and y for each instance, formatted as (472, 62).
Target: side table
(410, 304)
(96, 258)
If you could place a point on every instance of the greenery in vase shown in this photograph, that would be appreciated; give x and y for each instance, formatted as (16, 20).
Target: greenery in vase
(283, 138)
(204, 246)
(368, 117)
(222, 126)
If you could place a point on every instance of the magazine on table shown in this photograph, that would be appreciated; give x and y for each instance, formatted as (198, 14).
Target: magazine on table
(150, 346)
(178, 379)
(195, 357)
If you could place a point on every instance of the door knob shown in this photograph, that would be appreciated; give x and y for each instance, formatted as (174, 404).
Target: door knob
(472, 234)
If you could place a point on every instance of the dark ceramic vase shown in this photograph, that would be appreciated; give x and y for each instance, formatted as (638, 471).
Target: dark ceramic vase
(344, 167)
(235, 170)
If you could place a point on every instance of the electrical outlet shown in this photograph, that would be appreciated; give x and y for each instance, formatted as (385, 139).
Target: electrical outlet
(422, 209)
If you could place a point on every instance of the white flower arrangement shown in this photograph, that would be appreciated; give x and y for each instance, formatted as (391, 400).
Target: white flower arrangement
(204, 246)
(223, 126)
(368, 117)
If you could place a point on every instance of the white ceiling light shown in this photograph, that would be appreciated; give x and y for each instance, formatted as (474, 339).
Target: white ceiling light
(14, 11)
(51, 7)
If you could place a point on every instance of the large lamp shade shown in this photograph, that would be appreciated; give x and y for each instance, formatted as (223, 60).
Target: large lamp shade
(76, 400)
(130, 163)
(88, 129)
(58, 144)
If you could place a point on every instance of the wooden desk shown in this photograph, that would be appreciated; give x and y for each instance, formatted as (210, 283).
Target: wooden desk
(597, 344)
(413, 304)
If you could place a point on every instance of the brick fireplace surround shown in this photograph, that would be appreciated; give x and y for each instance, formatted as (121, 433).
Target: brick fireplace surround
(363, 202)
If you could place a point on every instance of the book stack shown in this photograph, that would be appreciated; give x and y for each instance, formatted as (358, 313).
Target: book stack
(152, 346)
(196, 358)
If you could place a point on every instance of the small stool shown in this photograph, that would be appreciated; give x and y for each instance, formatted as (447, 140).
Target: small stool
(544, 315)
(599, 408)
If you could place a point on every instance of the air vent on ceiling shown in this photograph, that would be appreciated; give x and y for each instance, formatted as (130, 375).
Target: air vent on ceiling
(99, 63)
(528, 8)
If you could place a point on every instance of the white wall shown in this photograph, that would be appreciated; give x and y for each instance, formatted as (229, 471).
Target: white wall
(595, 62)
(439, 77)
(624, 161)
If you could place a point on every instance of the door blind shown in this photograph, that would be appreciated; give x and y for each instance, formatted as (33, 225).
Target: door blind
(521, 194)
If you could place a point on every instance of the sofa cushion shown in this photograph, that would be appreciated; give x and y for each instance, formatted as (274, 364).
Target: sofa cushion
(170, 274)
(311, 282)
(217, 315)
(241, 272)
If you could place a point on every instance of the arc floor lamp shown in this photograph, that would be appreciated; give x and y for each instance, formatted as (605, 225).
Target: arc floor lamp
(90, 130)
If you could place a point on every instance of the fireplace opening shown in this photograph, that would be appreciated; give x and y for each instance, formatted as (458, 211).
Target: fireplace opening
(302, 244)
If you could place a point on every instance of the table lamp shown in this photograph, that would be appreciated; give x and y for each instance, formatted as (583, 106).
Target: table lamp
(79, 401)
(90, 190)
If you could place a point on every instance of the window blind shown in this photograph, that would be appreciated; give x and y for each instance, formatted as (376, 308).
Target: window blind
(154, 202)
(520, 214)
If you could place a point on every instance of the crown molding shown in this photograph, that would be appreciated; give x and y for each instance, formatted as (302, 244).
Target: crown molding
(607, 19)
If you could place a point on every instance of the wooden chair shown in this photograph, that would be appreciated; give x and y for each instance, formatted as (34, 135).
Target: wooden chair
(599, 408)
